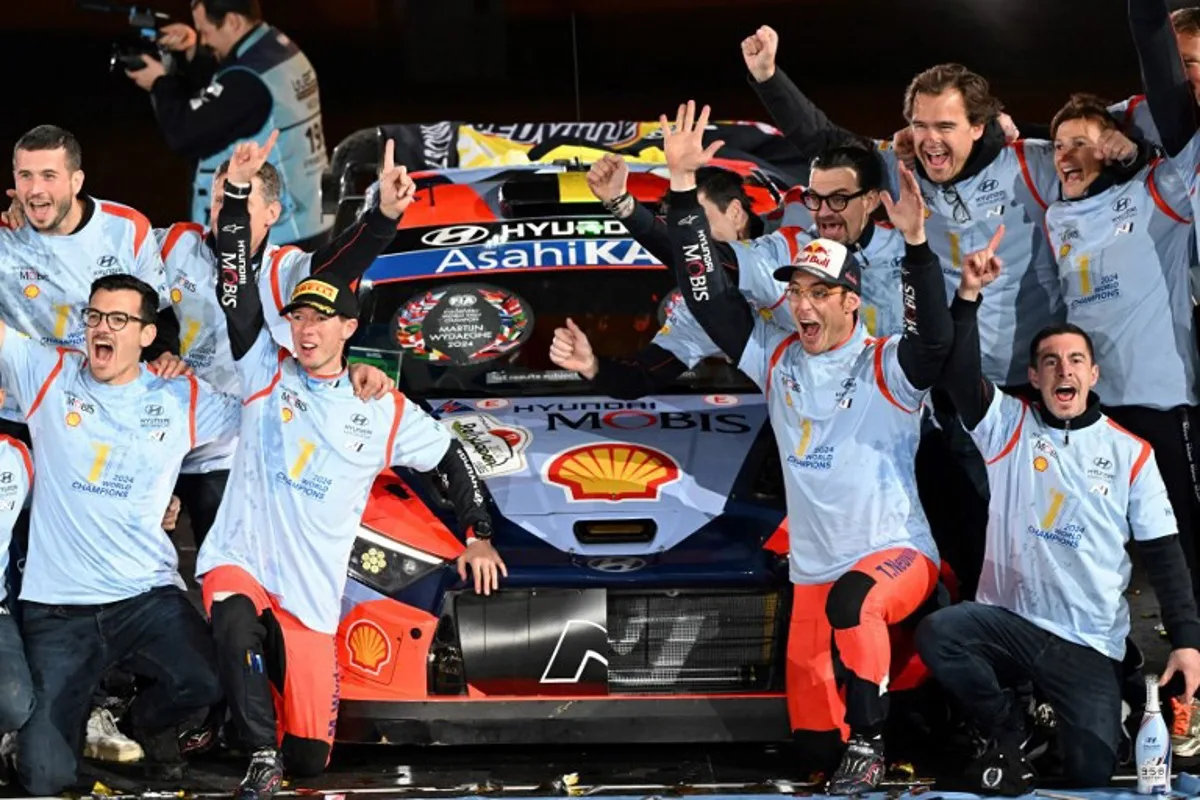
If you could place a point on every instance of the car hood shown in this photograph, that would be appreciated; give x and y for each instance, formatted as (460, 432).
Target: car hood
(552, 463)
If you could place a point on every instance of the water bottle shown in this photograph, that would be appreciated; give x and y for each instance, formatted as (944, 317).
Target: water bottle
(1152, 749)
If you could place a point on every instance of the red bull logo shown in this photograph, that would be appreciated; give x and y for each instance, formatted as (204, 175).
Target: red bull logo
(816, 255)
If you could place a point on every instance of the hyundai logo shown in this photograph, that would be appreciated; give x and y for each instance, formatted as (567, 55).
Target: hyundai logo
(359, 419)
(6, 477)
(1103, 463)
(989, 186)
(616, 564)
(1121, 204)
(456, 236)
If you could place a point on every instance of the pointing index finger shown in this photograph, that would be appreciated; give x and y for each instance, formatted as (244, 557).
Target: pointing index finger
(389, 155)
(995, 242)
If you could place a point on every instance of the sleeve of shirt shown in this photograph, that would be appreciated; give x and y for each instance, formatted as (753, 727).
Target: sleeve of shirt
(25, 366)
(757, 261)
(150, 268)
(216, 415)
(257, 368)
(760, 347)
(896, 386)
(1037, 162)
(420, 441)
(997, 431)
(1150, 512)
(683, 338)
(234, 105)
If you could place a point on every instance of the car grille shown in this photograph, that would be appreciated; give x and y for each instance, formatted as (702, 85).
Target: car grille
(694, 642)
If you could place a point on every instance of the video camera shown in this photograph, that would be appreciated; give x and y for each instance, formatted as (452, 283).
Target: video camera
(129, 51)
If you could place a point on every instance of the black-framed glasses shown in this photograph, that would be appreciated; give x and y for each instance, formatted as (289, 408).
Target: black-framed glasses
(959, 210)
(116, 319)
(836, 202)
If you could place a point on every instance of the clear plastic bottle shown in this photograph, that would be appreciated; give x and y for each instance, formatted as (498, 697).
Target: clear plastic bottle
(1152, 748)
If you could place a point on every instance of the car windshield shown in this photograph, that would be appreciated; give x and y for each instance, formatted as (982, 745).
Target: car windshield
(488, 333)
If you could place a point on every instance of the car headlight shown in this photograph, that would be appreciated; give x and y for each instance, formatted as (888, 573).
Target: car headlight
(387, 566)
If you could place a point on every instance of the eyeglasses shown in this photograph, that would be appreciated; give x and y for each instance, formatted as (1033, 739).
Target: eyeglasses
(836, 202)
(816, 293)
(116, 319)
(959, 210)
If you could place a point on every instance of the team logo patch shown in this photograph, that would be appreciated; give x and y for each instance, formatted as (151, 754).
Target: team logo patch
(612, 471)
(73, 419)
(370, 650)
(1040, 463)
(494, 448)
(32, 291)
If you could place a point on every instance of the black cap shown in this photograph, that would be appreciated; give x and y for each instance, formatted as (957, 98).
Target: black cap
(328, 294)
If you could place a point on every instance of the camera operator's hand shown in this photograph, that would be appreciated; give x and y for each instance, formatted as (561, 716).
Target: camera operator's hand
(179, 38)
(147, 75)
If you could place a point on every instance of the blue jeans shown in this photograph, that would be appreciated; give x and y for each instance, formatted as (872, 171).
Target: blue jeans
(974, 651)
(159, 635)
(16, 687)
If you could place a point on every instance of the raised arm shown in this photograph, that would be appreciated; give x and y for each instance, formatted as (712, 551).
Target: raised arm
(237, 289)
(1168, 91)
(928, 330)
(970, 392)
(607, 179)
(712, 297)
(807, 127)
(355, 249)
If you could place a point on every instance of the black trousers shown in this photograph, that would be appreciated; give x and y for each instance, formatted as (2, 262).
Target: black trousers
(1172, 435)
(201, 495)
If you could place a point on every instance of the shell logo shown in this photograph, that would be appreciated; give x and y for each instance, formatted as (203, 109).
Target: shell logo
(370, 649)
(612, 471)
(287, 414)
(176, 296)
(32, 291)
(1041, 464)
(73, 418)
(1064, 251)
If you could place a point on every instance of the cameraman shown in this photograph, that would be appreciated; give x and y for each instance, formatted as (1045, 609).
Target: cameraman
(259, 81)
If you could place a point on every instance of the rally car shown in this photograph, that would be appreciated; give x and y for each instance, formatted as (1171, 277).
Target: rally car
(647, 593)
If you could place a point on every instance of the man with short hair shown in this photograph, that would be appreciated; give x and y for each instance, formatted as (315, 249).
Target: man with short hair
(240, 78)
(843, 196)
(842, 406)
(101, 584)
(274, 565)
(188, 252)
(1070, 488)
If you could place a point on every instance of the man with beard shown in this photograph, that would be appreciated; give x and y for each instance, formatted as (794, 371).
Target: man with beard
(47, 266)
(845, 409)
(101, 582)
(842, 196)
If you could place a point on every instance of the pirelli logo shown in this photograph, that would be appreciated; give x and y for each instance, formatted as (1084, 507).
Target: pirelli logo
(320, 288)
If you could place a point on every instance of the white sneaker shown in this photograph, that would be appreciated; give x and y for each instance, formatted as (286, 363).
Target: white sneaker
(105, 742)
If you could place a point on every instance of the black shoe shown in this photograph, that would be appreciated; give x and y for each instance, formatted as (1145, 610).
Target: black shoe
(163, 761)
(263, 777)
(1003, 770)
(861, 769)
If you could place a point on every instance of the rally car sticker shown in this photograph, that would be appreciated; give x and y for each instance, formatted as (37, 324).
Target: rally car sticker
(495, 448)
(465, 324)
(370, 649)
(612, 472)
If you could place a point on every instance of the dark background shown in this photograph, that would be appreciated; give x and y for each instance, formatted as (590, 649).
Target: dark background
(512, 60)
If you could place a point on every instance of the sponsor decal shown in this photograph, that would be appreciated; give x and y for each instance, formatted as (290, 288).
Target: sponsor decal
(605, 405)
(1041, 464)
(73, 419)
(451, 407)
(612, 472)
(721, 399)
(631, 420)
(287, 414)
(495, 449)
(513, 256)
(176, 296)
(32, 291)
(462, 325)
(491, 403)
(616, 564)
(370, 649)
